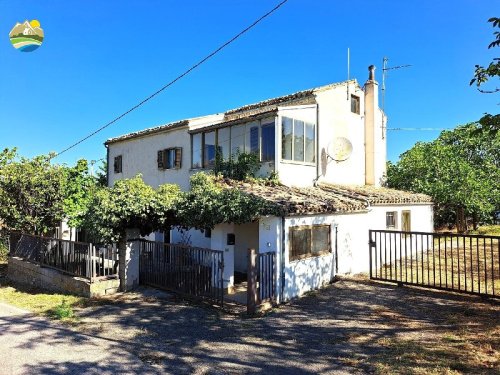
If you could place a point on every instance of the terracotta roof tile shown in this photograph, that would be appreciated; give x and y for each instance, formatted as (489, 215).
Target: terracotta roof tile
(326, 198)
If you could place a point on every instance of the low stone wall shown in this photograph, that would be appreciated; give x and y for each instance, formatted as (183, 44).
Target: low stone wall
(24, 272)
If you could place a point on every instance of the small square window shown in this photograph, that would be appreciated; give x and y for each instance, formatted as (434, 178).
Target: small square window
(391, 219)
(355, 104)
(117, 165)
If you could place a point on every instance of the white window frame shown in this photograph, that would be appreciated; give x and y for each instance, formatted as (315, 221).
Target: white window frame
(279, 134)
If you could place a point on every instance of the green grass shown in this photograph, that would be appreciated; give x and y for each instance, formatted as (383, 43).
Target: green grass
(488, 230)
(53, 305)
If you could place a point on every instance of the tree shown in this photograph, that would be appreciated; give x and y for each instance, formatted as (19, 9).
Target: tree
(79, 188)
(460, 170)
(31, 193)
(129, 204)
(484, 74)
(210, 202)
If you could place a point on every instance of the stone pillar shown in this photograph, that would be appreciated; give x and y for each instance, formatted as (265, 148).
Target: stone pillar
(132, 265)
(252, 282)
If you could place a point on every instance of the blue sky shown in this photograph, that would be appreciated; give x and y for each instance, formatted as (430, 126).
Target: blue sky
(101, 57)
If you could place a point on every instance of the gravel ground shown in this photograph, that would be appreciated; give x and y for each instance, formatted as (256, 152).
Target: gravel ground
(340, 329)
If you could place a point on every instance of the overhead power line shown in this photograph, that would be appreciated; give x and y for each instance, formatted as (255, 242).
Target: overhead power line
(418, 129)
(174, 80)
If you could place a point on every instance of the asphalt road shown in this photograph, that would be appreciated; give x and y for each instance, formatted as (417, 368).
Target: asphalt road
(27, 341)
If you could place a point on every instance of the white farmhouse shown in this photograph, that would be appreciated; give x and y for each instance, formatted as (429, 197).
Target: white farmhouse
(328, 147)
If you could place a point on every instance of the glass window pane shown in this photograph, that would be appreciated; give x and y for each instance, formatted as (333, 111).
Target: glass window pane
(268, 139)
(310, 137)
(209, 149)
(252, 137)
(223, 136)
(286, 138)
(170, 158)
(321, 239)
(301, 242)
(298, 140)
(237, 140)
(196, 151)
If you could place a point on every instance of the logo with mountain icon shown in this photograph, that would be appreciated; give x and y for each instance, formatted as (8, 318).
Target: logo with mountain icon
(26, 36)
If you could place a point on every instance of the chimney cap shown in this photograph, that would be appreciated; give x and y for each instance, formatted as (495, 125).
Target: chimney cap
(371, 76)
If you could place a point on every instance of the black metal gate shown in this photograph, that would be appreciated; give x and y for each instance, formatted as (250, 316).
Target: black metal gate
(187, 270)
(456, 262)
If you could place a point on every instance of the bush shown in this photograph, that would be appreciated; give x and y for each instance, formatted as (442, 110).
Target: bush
(4, 250)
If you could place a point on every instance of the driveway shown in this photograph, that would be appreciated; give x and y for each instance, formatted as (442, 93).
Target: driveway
(350, 327)
(35, 345)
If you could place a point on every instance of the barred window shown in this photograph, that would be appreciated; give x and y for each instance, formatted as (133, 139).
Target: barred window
(391, 219)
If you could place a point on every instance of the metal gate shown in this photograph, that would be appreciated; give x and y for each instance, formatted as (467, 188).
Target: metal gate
(266, 276)
(457, 262)
(187, 270)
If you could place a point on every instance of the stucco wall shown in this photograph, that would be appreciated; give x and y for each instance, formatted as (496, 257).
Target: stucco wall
(336, 120)
(349, 233)
(139, 156)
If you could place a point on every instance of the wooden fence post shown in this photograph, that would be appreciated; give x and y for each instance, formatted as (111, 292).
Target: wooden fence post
(252, 282)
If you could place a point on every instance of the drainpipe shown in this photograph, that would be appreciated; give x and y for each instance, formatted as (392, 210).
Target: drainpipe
(318, 156)
(282, 259)
(107, 164)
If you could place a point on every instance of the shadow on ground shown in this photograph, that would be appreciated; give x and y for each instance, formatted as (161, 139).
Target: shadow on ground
(353, 326)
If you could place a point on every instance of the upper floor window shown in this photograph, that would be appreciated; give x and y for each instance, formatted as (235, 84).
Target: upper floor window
(355, 104)
(196, 150)
(268, 144)
(209, 149)
(117, 164)
(298, 140)
(232, 140)
(171, 158)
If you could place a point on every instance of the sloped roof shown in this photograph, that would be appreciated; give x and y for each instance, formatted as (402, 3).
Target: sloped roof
(153, 130)
(325, 198)
(297, 201)
(247, 111)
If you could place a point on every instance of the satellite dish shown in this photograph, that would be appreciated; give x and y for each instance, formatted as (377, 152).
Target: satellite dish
(340, 149)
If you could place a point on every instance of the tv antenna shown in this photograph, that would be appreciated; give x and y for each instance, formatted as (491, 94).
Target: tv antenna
(385, 71)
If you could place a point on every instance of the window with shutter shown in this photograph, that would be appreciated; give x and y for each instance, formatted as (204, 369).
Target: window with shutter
(161, 159)
(178, 158)
(170, 158)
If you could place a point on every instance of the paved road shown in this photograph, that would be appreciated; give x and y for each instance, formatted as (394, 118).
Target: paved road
(27, 340)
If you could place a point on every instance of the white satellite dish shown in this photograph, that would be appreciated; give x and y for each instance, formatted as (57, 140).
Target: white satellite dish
(340, 149)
